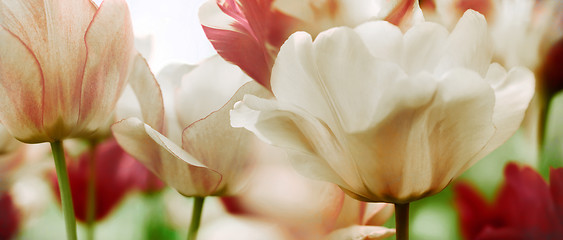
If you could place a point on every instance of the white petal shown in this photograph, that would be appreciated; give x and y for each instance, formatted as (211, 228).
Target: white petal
(221, 147)
(388, 47)
(468, 46)
(164, 158)
(423, 45)
(513, 92)
(206, 89)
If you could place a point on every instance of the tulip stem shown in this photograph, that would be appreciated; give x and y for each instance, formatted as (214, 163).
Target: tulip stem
(196, 218)
(64, 186)
(402, 220)
(91, 195)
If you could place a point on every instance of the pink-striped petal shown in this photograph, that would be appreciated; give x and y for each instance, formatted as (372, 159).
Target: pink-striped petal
(110, 44)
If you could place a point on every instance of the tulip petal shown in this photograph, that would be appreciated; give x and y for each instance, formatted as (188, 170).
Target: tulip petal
(109, 40)
(423, 46)
(357, 232)
(556, 189)
(53, 31)
(167, 160)
(206, 89)
(468, 45)
(221, 147)
(513, 93)
(248, 39)
(21, 90)
(169, 79)
(292, 131)
(148, 94)
(388, 47)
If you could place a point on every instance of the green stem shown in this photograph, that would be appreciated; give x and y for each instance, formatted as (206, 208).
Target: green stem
(91, 195)
(196, 218)
(402, 220)
(64, 186)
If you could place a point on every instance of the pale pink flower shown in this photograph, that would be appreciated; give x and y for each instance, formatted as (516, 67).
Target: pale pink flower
(63, 65)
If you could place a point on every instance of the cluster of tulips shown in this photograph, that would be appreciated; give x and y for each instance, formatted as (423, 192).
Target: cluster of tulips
(315, 119)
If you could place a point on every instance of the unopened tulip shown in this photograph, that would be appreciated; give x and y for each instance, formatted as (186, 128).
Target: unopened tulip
(63, 65)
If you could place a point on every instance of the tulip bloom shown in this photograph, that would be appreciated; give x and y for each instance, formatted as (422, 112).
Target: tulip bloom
(387, 116)
(249, 33)
(63, 65)
(194, 166)
(525, 207)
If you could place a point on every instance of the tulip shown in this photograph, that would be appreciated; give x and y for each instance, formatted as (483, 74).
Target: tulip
(249, 33)
(116, 174)
(525, 207)
(63, 65)
(389, 117)
(212, 157)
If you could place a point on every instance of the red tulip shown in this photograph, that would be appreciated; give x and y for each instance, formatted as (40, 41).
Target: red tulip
(525, 207)
(116, 175)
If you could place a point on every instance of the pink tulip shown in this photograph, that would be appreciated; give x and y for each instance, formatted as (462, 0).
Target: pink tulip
(63, 65)
(249, 33)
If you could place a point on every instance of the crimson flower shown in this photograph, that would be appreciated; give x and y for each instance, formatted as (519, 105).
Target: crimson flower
(116, 175)
(525, 207)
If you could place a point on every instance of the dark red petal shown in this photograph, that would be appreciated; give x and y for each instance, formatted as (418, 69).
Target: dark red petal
(552, 69)
(9, 217)
(473, 210)
(556, 188)
(524, 200)
(116, 174)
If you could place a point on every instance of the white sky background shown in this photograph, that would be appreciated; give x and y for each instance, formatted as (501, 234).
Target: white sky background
(174, 28)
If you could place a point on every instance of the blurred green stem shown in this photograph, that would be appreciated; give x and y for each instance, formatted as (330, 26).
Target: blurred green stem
(64, 186)
(402, 220)
(91, 195)
(196, 218)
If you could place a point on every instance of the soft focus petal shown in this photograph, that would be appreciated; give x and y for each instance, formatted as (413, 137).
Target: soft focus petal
(239, 228)
(473, 210)
(112, 175)
(10, 219)
(362, 233)
(221, 147)
(556, 189)
(110, 43)
(206, 89)
(165, 159)
(169, 80)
